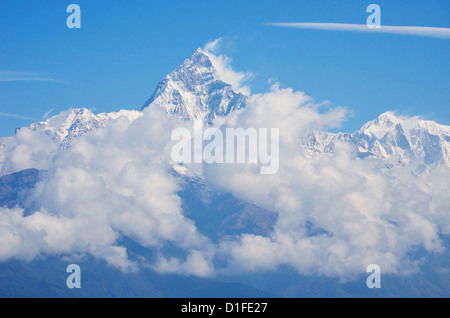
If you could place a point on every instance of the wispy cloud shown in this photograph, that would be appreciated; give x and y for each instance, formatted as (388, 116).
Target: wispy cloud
(47, 113)
(17, 116)
(222, 64)
(11, 76)
(406, 30)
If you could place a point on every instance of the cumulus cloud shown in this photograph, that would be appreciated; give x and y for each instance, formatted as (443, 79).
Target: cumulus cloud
(197, 263)
(27, 149)
(26, 237)
(113, 182)
(360, 215)
(336, 213)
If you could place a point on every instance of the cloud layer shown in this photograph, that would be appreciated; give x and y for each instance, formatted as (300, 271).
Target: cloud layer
(111, 183)
(336, 214)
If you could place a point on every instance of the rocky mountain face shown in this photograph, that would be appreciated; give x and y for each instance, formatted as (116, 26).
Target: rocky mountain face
(79, 121)
(194, 91)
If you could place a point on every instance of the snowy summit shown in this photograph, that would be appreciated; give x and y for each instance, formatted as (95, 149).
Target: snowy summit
(195, 91)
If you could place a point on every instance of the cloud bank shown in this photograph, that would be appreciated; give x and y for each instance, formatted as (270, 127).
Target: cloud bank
(336, 213)
(111, 183)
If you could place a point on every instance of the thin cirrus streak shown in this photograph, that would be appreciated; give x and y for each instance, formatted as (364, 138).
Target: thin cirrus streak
(406, 30)
(8, 76)
(17, 116)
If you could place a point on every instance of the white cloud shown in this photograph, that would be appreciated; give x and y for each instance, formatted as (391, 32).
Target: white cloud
(16, 240)
(404, 30)
(112, 182)
(14, 76)
(196, 264)
(222, 65)
(16, 116)
(27, 149)
(343, 195)
(47, 113)
(213, 46)
(116, 181)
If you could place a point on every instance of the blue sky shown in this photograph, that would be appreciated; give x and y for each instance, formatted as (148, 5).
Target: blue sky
(124, 48)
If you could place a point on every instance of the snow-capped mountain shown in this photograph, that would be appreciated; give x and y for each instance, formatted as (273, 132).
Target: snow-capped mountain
(195, 91)
(395, 140)
(77, 122)
(2, 151)
(65, 126)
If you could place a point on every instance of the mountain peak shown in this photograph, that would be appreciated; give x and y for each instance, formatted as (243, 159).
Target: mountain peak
(388, 116)
(194, 91)
(201, 58)
(381, 125)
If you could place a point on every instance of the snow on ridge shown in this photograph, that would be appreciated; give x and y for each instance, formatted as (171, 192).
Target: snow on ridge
(79, 121)
(397, 141)
(194, 91)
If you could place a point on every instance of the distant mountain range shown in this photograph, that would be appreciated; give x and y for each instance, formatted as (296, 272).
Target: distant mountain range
(394, 140)
(194, 91)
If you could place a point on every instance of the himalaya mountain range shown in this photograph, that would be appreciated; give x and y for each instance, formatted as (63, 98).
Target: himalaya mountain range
(195, 91)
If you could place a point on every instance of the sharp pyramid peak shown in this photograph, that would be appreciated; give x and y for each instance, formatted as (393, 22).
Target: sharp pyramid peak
(199, 59)
(199, 51)
(195, 91)
(388, 116)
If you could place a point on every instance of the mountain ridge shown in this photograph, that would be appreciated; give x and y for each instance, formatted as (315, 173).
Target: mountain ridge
(194, 91)
(77, 122)
(398, 141)
(391, 139)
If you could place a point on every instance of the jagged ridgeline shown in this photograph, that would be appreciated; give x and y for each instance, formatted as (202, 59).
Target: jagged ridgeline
(194, 91)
